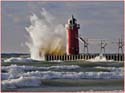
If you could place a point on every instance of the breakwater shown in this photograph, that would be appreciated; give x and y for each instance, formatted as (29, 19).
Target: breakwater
(116, 57)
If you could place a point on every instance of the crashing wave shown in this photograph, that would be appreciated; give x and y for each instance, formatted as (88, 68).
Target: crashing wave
(71, 75)
(18, 59)
(99, 58)
(27, 68)
(21, 82)
(47, 37)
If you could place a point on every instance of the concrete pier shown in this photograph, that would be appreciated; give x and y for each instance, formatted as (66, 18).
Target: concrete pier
(115, 57)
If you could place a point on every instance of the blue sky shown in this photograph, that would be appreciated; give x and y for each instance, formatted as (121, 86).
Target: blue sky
(98, 20)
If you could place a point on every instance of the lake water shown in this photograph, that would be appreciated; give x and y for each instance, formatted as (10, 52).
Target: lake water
(20, 73)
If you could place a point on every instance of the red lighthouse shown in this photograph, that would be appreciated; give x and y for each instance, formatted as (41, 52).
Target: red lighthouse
(72, 37)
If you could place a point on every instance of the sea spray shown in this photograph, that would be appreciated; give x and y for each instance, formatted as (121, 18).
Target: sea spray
(47, 37)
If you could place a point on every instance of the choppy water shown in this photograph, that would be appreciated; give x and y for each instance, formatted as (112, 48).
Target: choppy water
(20, 73)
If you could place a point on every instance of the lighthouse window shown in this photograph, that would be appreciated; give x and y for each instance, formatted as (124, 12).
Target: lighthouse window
(70, 22)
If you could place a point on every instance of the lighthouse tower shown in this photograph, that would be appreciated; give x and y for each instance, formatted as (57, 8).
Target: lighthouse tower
(72, 37)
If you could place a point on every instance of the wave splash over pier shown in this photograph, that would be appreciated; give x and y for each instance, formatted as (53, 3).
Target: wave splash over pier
(47, 36)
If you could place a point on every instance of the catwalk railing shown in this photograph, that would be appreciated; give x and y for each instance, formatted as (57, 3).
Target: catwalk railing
(115, 57)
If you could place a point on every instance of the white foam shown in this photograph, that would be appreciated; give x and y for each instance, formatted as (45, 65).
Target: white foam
(99, 58)
(18, 59)
(65, 67)
(26, 68)
(47, 36)
(15, 71)
(113, 69)
(72, 75)
(56, 61)
(17, 77)
(21, 82)
(33, 78)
